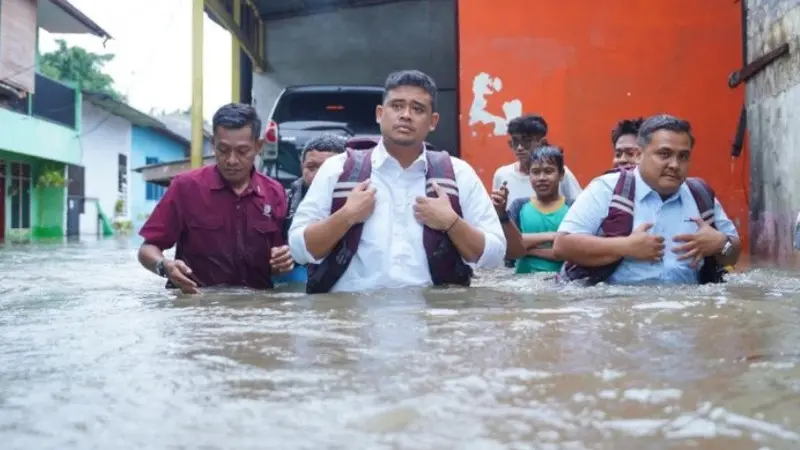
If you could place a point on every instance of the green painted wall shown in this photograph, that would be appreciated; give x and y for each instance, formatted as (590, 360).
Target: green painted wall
(50, 211)
(47, 204)
(39, 138)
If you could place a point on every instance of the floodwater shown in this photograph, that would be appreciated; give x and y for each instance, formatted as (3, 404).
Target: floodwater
(95, 354)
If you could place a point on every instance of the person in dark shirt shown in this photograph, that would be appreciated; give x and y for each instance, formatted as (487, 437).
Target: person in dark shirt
(225, 220)
(315, 153)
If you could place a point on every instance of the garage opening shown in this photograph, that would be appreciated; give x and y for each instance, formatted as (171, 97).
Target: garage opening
(353, 44)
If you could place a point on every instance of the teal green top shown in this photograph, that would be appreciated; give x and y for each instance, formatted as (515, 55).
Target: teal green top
(530, 219)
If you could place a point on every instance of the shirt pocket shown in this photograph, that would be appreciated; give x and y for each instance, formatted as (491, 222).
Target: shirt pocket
(206, 235)
(261, 238)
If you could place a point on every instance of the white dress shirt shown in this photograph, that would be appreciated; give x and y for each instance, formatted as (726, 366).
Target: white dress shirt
(391, 253)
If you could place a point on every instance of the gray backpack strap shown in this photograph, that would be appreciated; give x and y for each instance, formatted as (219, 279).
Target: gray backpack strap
(704, 197)
(515, 211)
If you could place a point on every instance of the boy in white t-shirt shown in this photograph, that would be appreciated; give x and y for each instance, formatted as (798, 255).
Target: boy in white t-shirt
(525, 134)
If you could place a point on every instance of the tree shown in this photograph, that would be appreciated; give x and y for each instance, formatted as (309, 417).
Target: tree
(77, 65)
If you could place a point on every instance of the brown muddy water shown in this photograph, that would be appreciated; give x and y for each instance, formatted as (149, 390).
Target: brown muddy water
(95, 354)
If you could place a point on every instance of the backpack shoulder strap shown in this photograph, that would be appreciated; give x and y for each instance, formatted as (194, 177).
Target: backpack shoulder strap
(441, 172)
(624, 192)
(357, 168)
(704, 197)
(515, 210)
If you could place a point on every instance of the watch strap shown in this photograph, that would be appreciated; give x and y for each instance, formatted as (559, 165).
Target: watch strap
(726, 248)
(160, 270)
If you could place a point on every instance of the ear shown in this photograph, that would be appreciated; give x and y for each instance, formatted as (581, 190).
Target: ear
(434, 120)
(378, 113)
(259, 146)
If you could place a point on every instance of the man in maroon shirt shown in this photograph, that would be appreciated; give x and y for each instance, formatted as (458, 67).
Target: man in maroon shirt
(225, 220)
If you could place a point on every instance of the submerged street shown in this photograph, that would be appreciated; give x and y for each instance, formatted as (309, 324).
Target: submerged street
(95, 354)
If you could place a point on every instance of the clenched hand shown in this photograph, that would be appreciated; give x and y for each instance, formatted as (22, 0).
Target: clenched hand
(360, 202)
(645, 246)
(435, 212)
(500, 200)
(281, 260)
(707, 241)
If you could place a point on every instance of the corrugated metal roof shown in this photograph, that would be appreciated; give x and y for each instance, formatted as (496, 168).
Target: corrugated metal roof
(133, 115)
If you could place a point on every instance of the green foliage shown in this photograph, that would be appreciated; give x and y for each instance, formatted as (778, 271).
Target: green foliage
(123, 227)
(51, 177)
(81, 67)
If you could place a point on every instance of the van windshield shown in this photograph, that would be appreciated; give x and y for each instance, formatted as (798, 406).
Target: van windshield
(356, 110)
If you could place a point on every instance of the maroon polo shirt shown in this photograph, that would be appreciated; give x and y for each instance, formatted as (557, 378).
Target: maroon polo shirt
(223, 237)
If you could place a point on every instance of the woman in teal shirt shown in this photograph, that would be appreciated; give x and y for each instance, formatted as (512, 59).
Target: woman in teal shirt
(530, 224)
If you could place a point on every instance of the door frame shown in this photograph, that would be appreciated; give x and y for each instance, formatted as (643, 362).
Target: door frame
(3, 195)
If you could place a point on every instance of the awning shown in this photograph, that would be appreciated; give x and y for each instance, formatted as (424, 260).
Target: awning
(59, 16)
(163, 173)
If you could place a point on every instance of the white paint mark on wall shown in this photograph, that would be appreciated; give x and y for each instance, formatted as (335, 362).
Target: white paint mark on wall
(485, 85)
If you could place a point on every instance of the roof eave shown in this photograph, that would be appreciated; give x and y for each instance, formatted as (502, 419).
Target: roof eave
(88, 25)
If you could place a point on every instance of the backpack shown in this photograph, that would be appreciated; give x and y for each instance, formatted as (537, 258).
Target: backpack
(444, 261)
(619, 223)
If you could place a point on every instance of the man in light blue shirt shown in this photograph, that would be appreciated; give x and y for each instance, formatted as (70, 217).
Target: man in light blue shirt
(669, 239)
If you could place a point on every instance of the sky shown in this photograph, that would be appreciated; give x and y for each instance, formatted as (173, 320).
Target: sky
(153, 47)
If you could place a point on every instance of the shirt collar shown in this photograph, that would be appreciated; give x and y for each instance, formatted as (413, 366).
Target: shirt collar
(218, 182)
(643, 189)
(380, 155)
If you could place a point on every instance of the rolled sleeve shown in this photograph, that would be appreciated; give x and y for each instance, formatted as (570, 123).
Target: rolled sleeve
(165, 224)
(589, 209)
(722, 222)
(479, 212)
(315, 206)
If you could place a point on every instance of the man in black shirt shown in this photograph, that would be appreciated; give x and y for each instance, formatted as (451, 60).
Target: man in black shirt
(314, 154)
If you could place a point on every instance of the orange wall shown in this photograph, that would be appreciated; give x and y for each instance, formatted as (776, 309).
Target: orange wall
(584, 65)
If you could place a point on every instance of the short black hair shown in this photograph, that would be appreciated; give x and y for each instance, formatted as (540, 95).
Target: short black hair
(663, 122)
(235, 116)
(531, 124)
(325, 143)
(626, 126)
(549, 154)
(411, 78)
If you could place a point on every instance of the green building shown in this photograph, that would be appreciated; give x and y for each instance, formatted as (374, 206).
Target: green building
(40, 120)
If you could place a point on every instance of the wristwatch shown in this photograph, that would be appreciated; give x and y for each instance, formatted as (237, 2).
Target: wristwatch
(727, 248)
(160, 271)
(504, 219)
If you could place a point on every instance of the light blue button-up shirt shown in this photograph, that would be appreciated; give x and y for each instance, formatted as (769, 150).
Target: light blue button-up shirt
(669, 217)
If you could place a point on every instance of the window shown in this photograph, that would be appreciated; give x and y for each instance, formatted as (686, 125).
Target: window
(122, 186)
(122, 179)
(153, 191)
(356, 110)
(19, 189)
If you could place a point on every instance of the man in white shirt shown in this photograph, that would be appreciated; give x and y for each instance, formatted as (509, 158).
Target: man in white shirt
(525, 134)
(366, 221)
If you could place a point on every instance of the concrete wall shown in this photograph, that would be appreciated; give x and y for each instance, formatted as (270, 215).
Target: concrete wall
(354, 46)
(146, 143)
(105, 137)
(773, 103)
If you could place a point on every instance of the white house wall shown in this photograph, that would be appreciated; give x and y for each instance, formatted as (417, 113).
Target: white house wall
(104, 137)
